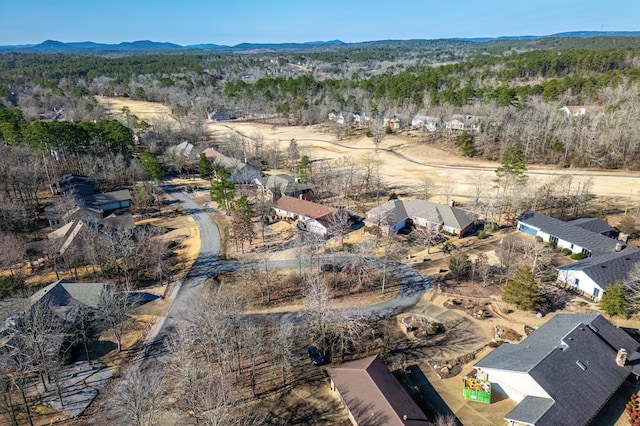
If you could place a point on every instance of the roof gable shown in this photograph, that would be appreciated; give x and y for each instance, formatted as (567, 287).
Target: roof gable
(373, 394)
(396, 211)
(303, 207)
(573, 358)
(606, 269)
(596, 243)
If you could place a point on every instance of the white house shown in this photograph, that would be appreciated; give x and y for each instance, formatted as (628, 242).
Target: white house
(564, 372)
(580, 110)
(422, 121)
(395, 214)
(593, 275)
(608, 259)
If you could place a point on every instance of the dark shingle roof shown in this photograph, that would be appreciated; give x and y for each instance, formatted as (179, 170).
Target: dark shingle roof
(528, 353)
(592, 224)
(596, 243)
(530, 409)
(580, 378)
(573, 358)
(395, 211)
(108, 197)
(373, 395)
(607, 268)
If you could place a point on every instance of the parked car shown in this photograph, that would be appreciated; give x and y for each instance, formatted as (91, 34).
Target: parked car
(316, 355)
(330, 267)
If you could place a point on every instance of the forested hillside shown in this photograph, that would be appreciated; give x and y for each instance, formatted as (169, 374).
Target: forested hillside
(517, 86)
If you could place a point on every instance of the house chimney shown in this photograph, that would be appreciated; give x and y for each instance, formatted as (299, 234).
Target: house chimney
(618, 246)
(621, 358)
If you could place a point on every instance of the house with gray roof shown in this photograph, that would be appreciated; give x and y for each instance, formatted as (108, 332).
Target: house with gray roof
(607, 259)
(578, 238)
(185, 150)
(594, 274)
(284, 184)
(564, 372)
(394, 215)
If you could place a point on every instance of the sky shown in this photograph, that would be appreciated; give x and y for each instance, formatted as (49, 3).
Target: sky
(231, 22)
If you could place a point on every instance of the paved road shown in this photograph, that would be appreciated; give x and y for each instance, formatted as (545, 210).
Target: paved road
(155, 355)
(207, 264)
(414, 286)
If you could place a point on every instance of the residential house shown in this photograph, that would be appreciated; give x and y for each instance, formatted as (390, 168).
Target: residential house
(221, 115)
(465, 123)
(72, 184)
(336, 117)
(593, 275)
(608, 259)
(185, 150)
(394, 215)
(372, 395)
(313, 217)
(577, 236)
(85, 204)
(242, 171)
(564, 372)
(70, 235)
(422, 121)
(283, 184)
(581, 110)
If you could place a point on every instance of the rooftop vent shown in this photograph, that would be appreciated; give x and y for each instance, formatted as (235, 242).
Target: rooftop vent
(581, 365)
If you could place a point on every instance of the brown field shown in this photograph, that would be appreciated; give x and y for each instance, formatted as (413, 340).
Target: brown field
(405, 172)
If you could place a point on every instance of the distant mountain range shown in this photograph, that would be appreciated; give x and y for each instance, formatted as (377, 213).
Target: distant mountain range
(146, 46)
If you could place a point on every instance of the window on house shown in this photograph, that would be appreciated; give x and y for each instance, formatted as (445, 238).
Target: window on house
(576, 282)
(571, 246)
(596, 292)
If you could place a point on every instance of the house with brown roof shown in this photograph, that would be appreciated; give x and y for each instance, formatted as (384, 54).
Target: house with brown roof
(313, 217)
(372, 395)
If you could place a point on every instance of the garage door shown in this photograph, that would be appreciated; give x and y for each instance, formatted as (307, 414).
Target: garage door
(527, 229)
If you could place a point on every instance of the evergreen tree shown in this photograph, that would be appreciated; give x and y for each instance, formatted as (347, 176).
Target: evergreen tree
(205, 168)
(152, 165)
(614, 300)
(241, 225)
(523, 291)
(223, 190)
(513, 165)
(464, 143)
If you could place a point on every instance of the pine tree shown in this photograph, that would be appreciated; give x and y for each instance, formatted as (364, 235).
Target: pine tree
(614, 300)
(205, 168)
(241, 225)
(523, 291)
(223, 190)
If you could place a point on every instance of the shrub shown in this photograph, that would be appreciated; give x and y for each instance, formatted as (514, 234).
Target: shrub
(538, 239)
(10, 285)
(388, 130)
(566, 251)
(482, 235)
(578, 256)
(369, 133)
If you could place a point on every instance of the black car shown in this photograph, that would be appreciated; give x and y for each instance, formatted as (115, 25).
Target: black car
(316, 355)
(330, 267)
